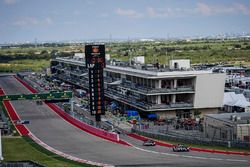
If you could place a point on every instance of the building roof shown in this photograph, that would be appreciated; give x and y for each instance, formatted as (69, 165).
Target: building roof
(155, 74)
(131, 70)
(241, 118)
(232, 99)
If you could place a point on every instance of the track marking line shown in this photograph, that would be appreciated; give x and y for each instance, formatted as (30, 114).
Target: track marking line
(236, 160)
(188, 156)
(67, 156)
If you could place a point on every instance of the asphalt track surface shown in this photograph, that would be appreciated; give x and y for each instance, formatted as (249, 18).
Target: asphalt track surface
(50, 128)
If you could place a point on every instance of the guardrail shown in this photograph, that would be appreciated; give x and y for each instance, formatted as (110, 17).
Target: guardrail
(26, 163)
(148, 90)
(192, 140)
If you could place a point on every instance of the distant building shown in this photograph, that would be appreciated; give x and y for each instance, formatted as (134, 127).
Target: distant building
(228, 126)
(178, 92)
(179, 64)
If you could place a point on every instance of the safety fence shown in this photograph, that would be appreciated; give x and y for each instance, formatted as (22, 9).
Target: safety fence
(192, 140)
(26, 163)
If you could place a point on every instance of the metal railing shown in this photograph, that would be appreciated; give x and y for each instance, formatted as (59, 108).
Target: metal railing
(26, 163)
(191, 139)
(133, 100)
(149, 90)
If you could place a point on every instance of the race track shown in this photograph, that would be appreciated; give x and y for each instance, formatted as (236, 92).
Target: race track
(50, 128)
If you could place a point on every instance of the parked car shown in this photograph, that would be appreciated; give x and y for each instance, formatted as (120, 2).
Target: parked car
(149, 143)
(180, 148)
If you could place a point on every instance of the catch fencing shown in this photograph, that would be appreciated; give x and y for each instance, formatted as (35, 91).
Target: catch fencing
(191, 139)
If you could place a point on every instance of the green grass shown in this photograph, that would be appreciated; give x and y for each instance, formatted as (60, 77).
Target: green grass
(23, 148)
(19, 65)
(198, 51)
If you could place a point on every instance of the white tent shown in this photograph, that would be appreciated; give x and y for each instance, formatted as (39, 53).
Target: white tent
(238, 100)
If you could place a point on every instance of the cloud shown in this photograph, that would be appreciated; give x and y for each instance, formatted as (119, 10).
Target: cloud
(104, 15)
(204, 9)
(242, 8)
(76, 12)
(236, 8)
(201, 8)
(90, 2)
(26, 21)
(128, 13)
(10, 2)
(32, 21)
(48, 21)
(168, 12)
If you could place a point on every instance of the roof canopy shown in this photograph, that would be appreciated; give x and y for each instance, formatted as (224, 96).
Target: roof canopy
(232, 99)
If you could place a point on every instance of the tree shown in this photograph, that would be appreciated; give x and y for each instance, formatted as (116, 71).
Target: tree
(237, 46)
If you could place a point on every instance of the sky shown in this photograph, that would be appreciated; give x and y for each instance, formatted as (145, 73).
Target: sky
(58, 20)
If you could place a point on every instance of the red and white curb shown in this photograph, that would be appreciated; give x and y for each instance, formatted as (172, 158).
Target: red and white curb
(38, 141)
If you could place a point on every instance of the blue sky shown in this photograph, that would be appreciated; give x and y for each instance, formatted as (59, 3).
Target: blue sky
(56, 20)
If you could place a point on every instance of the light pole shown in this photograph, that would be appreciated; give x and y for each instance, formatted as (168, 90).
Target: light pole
(1, 154)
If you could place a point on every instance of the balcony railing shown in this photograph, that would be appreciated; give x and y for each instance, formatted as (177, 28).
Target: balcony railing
(135, 101)
(110, 80)
(147, 90)
(79, 82)
(180, 105)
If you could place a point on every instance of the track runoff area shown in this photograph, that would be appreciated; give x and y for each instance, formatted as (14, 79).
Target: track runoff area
(51, 131)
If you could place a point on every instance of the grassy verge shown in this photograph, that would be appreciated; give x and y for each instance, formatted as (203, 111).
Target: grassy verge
(19, 65)
(24, 148)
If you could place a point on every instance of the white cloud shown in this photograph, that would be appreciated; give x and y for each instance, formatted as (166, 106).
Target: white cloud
(104, 15)
(207, 9)
(48, 21)
(89, 2)
(242, 8)
(76, 12)
(128, 13)
(32, 21)
(10, 2)
(26, 21)
(167, 12)
(201, 8)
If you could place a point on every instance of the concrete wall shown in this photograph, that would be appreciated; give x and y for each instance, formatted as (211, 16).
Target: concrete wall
(166, 114)
(172, 113)
(184, 63)
(208, 111)
(209, 90)
(243, 130)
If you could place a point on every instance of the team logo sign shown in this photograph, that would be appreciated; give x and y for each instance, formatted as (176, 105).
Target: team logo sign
(95, 49)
